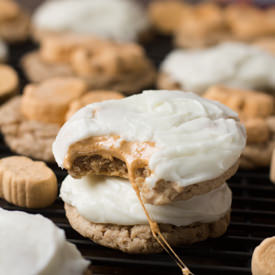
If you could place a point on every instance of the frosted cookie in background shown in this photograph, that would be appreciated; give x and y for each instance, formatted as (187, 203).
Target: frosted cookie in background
(38, 246)
(15, 22)
(256, 111)
(263, 262)
(102, 64)
(232, 64)
(118, 20)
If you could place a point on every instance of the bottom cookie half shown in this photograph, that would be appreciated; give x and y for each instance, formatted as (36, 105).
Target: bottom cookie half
(138, 238)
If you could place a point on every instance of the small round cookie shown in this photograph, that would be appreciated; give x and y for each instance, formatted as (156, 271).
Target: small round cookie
(48, 101)
(202, 26)
(193, 70)
(43, 244)
(26, 137)
(256, 111)
(89, 98)
(97, 204)
(263, 262)
(27, 183)
(147, 138)
(119, 20)
(9, 82)
(166, 15)
(102, 65)
(15, 23)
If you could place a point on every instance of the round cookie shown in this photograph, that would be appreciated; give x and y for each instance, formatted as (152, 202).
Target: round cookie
(102, 64)
(138, 239)
(27, 183)
(91, 97)
(30, 138)
(193, 70)
(123, 138)
(263, 258)
(49, 101)
(119, 20)
(266, 44)
(9, 82)
(44, 246)
(256, 111)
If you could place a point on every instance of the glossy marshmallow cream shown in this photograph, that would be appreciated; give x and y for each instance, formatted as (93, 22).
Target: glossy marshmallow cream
(98, 199)
(32, 244)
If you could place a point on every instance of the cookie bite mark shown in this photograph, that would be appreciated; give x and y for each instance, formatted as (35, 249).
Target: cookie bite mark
(49, 101)
(27, 183)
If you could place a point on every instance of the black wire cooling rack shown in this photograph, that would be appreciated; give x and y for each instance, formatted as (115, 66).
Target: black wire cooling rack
(253, 217)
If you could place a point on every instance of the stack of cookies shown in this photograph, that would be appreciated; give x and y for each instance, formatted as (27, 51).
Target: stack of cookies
(175, 150)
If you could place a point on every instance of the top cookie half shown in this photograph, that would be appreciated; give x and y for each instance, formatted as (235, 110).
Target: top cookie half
(174, 145)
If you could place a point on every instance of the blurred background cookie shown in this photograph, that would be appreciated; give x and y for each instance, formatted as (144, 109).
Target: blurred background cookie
(43, 244)
(14, 22)
(100, 63)
(119, 20)
(256, 111)
(232, 64)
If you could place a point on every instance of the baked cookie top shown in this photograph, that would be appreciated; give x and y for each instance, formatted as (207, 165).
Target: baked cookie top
(120, 20)
(43, 245)
(233, 64)
(179, 136)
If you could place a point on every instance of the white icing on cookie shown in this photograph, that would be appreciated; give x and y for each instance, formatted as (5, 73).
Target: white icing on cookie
(232, 64)
(196, 139)
(121, 20)
(32, 244)
(99, 200)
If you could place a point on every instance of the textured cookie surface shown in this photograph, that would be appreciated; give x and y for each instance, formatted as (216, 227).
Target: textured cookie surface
(27, 183)
(138, 238)
(49, 101)
(8, 82)
(30, 138)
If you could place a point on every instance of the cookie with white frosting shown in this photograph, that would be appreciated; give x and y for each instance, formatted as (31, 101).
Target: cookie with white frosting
(38, 246)
(107, 210)
(233, 64)
(174, 145)
(256, 111)
(119, 20)
(100, 63)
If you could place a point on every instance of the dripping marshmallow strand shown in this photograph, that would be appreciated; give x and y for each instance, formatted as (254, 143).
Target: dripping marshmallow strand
(196, 139)
(121, 20)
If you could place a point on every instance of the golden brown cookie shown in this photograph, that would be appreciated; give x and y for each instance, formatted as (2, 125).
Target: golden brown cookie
(256, 110)
(27, 183)
(8, 82)
(263, 259)
(138, 238)
(91, 97)
(102, 64)
(166, 15)
(248, 22)
(14, 22)
(26, 137)
(49, 101)
(203, 25)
